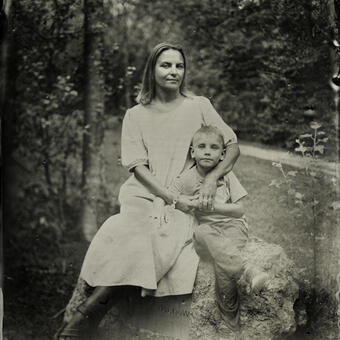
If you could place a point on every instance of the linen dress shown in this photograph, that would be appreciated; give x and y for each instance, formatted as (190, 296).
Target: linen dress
(129, 249)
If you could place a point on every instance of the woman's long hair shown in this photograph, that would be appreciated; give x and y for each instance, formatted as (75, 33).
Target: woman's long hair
(147, 92)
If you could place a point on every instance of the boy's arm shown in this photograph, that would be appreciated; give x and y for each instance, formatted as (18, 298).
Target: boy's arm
(235, 210)
(234, 207)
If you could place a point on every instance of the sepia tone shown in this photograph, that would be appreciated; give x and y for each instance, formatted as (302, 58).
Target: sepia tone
(69, 72)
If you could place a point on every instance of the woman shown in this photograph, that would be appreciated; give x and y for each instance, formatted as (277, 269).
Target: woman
(127, 251)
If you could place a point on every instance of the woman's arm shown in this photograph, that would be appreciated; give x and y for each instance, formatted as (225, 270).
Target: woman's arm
(232, 153)
(159, 212)
(209, 185)
(183, 202)
(208, 188)
(187, 203)
(144, 175)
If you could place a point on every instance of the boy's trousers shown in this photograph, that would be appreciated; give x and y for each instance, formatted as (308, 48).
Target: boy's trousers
(221, 243)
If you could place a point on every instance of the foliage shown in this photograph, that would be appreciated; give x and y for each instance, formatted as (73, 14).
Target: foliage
(311, 203)
(310, 146)
(265, 63)
(46, 132)
(45, 124)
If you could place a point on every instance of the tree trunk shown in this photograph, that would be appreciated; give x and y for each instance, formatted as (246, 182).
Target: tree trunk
(127, 75)
(335, 61)
(8, 71)
(93, 116)
(3, 96)
(326, 238)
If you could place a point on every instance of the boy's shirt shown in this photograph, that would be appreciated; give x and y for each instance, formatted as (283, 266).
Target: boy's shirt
(229, 190)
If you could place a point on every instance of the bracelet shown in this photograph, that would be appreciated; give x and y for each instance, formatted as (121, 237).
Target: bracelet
(174, 201)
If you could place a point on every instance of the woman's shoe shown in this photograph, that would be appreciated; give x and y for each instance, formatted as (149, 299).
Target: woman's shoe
(87, 316)
(68, 333)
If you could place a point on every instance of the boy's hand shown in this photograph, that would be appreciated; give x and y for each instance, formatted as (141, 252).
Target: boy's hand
(187, 203)
(207, 194)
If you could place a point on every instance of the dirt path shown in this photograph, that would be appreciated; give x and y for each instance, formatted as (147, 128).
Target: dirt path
(330, 168)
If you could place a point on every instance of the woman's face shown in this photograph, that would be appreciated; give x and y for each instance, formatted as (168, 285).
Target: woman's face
(169, 70)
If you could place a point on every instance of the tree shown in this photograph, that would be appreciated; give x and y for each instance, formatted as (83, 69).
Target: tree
(94, 114)
(260, 61)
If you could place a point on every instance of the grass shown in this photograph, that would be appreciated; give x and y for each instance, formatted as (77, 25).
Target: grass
(309, 237)
(272, 216)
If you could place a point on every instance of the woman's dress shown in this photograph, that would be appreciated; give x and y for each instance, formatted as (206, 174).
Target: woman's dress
(129, 249)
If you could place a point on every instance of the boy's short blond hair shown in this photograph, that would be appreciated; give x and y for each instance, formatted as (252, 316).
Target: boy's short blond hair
(207, 130)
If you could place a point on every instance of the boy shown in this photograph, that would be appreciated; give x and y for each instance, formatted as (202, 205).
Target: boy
(223, 231)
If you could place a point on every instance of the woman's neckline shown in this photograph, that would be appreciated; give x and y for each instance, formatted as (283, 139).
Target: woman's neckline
(162, 110)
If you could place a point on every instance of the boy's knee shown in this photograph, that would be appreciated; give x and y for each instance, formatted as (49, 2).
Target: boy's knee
(201, 250)
(201, 242)
(202, 232)
(230, 265)
(201, 236)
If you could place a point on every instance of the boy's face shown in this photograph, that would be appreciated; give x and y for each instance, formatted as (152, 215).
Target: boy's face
(207, 149)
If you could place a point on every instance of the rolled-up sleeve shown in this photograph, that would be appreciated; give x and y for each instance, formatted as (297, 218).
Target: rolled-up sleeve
(133, 148)
(237, 191)
(211, 117)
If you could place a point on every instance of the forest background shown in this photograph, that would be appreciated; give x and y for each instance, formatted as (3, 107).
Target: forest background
(69, 71)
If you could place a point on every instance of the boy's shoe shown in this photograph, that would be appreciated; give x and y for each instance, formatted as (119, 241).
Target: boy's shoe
(230, 320)
(226, 333)
(257, 279)
(259, 282)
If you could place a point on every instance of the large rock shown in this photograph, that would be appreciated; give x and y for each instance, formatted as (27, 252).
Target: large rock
(266, 315)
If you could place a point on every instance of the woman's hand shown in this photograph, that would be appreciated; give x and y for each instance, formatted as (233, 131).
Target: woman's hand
(159, 212)
(207, 193)
(187, 203)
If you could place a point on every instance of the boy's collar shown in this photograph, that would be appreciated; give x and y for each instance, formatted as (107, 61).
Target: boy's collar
(201, 177)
